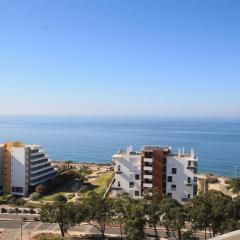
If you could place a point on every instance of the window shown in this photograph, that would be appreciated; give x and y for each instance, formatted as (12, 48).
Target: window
(169, 195)
(136, 193)
(189, 163)
(189, 180)
(131, 184)
(119, 168)
(137, 177)
(17, 189)
(119, 185)
(189, 195)
(148, 154)
(174, 187)
(174, 170)
(169, 179)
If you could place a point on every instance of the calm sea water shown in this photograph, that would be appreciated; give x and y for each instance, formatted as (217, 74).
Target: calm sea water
(90, 139)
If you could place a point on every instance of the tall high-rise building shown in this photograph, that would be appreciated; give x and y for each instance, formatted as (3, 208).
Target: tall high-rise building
(23, 167)
(155, 171)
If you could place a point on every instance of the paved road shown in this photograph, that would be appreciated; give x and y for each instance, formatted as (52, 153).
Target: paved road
(12, 228)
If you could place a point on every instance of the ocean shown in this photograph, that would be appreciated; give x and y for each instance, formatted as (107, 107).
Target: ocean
(96, 139)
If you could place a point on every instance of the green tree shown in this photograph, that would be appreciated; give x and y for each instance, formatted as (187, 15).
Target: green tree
(98, 211)
(134, 220)
(62, 214)
(234, 185)
(173, 215)
(153, 214)
(211, 211)
(119, 210)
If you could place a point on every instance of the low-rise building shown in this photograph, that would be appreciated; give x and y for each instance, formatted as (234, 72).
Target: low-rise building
(156, 171)
(23, 167)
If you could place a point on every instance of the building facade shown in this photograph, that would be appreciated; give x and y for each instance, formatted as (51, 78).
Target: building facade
(23, 167)
(155, 171)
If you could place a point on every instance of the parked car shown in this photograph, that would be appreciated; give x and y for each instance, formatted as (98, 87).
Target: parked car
(25, 211)
(10, 210)
(31, 211)
(17, 210)
(3, 210)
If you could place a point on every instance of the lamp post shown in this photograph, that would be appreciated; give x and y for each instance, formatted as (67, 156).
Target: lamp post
(21, 227)
(236, 170)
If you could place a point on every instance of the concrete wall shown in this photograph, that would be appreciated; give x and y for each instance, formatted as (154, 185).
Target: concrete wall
(129, 166)
(180, 179)
(18, 169)
(1, 169)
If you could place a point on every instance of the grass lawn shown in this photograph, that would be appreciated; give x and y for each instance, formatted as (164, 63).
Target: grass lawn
(102, 182)
(99, 185)
(65, 188)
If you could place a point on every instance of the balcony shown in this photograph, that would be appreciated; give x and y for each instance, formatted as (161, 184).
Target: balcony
(34, 171)
(192, 165)
(33, 154)
(147, 176)
(149, 160)
(32, 160)
(147, 185)
(42, 163)
(51, 171)
(147, 168)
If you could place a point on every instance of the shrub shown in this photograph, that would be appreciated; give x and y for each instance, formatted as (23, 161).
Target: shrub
(18, 201)
(41, 188)
(212, 180)
(60, 179)
(60, 198)
(84, 189)
(35, 196)
(70, 196)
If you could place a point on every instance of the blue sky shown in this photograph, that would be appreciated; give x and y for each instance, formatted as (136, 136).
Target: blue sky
(149, 58)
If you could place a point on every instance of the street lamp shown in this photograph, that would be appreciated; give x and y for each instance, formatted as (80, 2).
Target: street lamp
(236, 170)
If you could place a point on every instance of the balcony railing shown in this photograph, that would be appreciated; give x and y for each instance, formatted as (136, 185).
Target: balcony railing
(145, 168)
(147, 185)
(149, 160)
(147, 176)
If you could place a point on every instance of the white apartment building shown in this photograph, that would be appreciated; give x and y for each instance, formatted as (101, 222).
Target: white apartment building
(23, 167)
(157, 170)
(127, 170)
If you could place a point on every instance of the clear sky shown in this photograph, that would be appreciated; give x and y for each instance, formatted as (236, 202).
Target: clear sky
(122, 57)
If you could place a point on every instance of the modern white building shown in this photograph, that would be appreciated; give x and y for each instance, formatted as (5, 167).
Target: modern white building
(23, 167)
(127, 170)
(157, 171)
